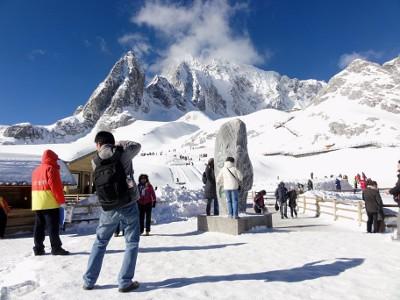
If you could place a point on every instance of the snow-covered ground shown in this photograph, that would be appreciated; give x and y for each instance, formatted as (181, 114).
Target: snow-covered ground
(317, 259)
(304, 258)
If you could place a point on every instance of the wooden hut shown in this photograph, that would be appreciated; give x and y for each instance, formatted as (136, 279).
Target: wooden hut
(15, 186)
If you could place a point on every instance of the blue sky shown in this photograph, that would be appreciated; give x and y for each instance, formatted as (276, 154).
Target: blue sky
(54, 53)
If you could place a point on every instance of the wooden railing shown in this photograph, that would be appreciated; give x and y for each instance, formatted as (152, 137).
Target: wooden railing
(73, 199)
(338, 209)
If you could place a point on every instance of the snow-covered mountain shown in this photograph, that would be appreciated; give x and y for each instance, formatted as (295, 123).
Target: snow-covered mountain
(123, 87)
(219, 89)
(359, 107)
(225, 89)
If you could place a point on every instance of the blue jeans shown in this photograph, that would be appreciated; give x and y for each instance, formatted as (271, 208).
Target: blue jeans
(232, 198)
(109, 220)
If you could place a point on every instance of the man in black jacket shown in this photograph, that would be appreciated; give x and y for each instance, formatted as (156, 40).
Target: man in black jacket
(373, 205)
(124, 209)
(210, 188)
(281, 195)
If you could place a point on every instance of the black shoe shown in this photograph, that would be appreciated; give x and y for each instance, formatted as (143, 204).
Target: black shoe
(38, 252)
(115, 234)
(87, 288)
(133, 286)
(60, 251)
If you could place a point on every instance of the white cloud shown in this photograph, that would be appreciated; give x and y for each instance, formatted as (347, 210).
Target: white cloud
(347, 58)
(138, 43)
(87, 43)
(36, 53)
(103, 45)
(201, 30)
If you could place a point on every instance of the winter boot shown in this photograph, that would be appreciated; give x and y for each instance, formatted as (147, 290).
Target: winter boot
(38, 252)
(59, 251)
(133, 286)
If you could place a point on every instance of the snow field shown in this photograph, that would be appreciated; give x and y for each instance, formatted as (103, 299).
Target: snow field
(317, 261)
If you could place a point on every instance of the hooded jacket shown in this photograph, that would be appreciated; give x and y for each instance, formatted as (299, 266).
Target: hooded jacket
(47, 188)
(226, 179)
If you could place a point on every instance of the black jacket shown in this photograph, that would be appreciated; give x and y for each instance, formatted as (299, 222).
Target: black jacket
(210, 189)
(281, 193)
(292, 198)
(396, 190)
(373, 200)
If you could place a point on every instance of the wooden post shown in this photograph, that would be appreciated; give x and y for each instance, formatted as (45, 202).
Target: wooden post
(359, 212)
(334, 210)
(305, 204)
(318, 208)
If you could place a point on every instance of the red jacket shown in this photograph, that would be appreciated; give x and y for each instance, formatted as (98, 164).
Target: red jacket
(47, 188)
(147, 194)
(363, 184)
(259, 200)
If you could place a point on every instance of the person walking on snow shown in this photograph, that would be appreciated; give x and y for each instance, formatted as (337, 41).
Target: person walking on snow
(210, 188)
(292, 195)
(147, 201)
(230, 178)
(47, 198)
(118, 195)
(373, 205)
(363, 181)
(338, 185)
(281, 195)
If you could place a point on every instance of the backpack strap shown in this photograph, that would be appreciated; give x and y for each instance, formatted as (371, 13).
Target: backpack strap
(233, 175)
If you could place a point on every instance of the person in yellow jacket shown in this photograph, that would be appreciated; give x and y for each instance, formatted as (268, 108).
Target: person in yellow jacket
(4, 211)
(47, 197)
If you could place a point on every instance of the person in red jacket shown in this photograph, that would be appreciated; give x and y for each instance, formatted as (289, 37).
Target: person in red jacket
(146, 202)
(4, 211)
(47, 197)
(363, 181)
(259, 205)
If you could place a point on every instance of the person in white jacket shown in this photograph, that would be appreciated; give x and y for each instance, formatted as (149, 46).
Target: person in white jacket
(230, 178)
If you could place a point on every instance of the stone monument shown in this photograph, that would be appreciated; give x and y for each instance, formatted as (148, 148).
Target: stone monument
(232, 141)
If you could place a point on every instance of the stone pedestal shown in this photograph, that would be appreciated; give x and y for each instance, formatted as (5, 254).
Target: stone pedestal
(233, 226)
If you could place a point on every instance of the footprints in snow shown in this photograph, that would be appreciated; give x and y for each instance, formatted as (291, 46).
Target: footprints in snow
(18, 290)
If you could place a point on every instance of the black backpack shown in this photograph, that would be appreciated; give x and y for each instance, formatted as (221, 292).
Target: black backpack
(110, 181)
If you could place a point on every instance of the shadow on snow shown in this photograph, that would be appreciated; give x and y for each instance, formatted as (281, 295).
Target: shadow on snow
(310, 271)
